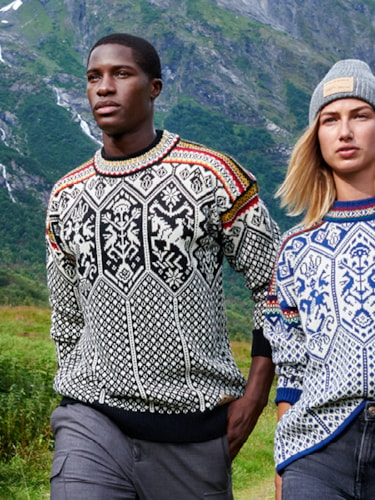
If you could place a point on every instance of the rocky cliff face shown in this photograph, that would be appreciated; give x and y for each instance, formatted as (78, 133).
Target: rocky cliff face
(323, 25)
(244, 66)
(230, 55)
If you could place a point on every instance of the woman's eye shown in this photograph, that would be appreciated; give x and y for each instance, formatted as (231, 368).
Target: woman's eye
(327, 120)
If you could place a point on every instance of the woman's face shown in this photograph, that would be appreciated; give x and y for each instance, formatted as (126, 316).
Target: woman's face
(346, 136)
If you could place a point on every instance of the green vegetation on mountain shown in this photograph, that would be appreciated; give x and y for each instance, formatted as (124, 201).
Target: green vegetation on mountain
(237, 77)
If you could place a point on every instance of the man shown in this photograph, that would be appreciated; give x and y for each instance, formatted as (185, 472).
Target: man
(151, 394)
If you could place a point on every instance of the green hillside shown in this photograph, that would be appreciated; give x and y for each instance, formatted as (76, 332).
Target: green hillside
(237, 77)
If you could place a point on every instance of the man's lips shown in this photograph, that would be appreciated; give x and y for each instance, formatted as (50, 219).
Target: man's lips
(105, 107)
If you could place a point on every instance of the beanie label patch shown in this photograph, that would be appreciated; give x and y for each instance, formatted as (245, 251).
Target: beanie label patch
(338, 85)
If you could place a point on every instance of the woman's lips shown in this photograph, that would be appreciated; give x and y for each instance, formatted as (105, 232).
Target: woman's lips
(347, 152)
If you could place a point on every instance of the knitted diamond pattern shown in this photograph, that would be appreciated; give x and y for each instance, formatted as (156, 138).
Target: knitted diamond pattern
(320, 322)
(135, 251)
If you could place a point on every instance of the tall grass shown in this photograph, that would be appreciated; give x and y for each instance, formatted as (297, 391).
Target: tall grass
(27, 366)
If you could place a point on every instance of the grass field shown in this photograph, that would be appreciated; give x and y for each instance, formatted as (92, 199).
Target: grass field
(27, 365)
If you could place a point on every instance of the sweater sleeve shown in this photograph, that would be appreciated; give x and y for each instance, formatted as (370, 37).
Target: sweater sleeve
(67, 318)
(251, 240)
(283, 329)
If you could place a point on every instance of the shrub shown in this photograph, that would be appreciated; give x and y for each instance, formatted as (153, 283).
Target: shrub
(26, 402)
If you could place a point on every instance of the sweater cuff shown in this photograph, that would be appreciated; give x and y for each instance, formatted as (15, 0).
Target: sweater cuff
(287, 395)
(260, 345)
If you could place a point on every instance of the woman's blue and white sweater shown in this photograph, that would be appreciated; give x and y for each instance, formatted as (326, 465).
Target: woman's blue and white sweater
(320, 323)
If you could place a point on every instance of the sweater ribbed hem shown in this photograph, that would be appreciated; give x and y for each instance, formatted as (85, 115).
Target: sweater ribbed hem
(192, 427)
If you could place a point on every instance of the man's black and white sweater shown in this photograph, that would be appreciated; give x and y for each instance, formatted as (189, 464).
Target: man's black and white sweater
(135, 250)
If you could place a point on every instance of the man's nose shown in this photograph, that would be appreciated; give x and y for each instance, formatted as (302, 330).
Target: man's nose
(106, 85)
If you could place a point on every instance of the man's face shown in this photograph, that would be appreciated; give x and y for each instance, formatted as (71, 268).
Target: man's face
(120, 93)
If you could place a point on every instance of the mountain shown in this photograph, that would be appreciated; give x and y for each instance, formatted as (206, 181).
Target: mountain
(237, 76)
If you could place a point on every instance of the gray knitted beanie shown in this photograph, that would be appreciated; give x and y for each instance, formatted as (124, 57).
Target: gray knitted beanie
(346, 78)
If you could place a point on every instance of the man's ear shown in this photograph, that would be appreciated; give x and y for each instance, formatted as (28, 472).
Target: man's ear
(156, 87)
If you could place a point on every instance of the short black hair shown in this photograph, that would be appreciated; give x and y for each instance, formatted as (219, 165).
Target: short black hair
(145, 54)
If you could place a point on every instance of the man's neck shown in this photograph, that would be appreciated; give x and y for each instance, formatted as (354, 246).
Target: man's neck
(128, 144)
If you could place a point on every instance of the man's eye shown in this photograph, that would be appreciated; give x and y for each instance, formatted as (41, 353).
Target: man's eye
(92, 78)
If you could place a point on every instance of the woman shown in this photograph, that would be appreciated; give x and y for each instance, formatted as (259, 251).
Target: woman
(321, 304)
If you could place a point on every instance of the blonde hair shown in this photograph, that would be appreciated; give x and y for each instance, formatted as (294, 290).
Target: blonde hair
(308, 186)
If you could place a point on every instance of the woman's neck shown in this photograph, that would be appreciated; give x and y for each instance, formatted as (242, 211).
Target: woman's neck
(354, 188)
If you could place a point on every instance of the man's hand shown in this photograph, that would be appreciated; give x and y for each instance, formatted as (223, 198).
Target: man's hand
(242, 418)
(243, 413)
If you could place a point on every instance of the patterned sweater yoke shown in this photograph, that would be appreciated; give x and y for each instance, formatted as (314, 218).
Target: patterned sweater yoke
(320, 323)
(135, 249)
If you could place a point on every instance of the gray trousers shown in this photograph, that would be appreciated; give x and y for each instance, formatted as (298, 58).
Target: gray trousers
(94, 460)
